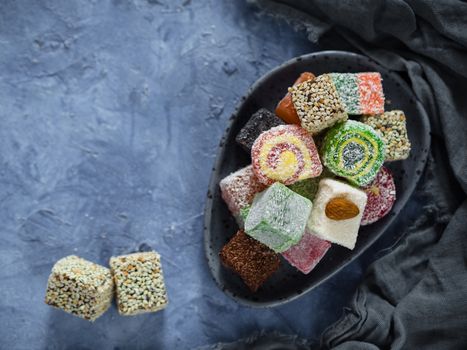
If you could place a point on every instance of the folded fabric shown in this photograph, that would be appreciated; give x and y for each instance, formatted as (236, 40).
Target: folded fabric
(414, 297)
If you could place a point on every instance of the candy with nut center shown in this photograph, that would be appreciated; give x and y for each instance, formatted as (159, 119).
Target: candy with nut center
(250, 259)
(337, 212)
(286, 154)
(139, 283)
(278, 217)
(353, 150)
(80, 287)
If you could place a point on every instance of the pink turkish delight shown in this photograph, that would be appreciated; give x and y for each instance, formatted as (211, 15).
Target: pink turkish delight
(307, 253)
(239, 188)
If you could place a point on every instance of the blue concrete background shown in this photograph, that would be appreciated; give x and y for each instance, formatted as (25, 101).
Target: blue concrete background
(111, 112)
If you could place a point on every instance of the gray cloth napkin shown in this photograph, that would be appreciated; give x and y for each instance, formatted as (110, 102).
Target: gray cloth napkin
(416, 296)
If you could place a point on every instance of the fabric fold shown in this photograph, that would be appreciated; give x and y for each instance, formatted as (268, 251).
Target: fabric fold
(413, 297)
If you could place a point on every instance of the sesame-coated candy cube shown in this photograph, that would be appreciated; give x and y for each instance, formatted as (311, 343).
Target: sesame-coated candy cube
(139, 283)
(317, 104)
(80, 287)
(238, 190)
(278, 217)
(392, 128)
(307, 253)
(285, 108)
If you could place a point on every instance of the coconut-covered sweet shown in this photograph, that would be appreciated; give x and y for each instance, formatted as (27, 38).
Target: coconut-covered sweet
(278, 217)
(337, 212)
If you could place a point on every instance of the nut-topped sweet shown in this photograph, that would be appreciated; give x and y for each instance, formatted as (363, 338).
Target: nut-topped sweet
(337, 212)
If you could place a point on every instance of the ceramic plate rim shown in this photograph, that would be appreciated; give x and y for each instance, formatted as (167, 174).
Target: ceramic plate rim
(221, 154)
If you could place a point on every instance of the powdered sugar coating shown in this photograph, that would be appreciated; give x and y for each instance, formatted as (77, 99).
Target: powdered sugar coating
(381, 197)
(342, 232)
(278, 217)
(354, 151)
(347, 88)
(286, 154)
(239, 188)
(307, 253)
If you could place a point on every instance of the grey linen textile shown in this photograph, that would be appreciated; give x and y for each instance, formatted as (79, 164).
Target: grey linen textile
(416, 296)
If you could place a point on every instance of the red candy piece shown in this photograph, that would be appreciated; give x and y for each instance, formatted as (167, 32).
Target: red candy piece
(307, 253)
(381, 197)
(371, 93)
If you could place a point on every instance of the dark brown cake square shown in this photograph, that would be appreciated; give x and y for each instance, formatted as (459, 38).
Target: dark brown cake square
(251, 260)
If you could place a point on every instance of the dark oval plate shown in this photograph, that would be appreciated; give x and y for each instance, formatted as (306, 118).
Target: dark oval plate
(288, 283)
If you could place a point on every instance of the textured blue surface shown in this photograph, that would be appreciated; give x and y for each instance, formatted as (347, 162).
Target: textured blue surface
(111, 112)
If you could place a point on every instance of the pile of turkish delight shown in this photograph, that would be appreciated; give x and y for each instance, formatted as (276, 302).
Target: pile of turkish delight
(296, 199)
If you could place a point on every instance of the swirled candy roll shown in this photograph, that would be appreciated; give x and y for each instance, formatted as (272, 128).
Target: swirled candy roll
(354, 151)
(286, 154)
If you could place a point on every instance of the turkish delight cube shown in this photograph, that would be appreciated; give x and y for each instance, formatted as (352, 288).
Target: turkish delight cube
(337, 212)
(278, 217)
(139, 283)
(360, 93)
(307, 253)
(239, 189)
(317, 104)
(80, 287)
